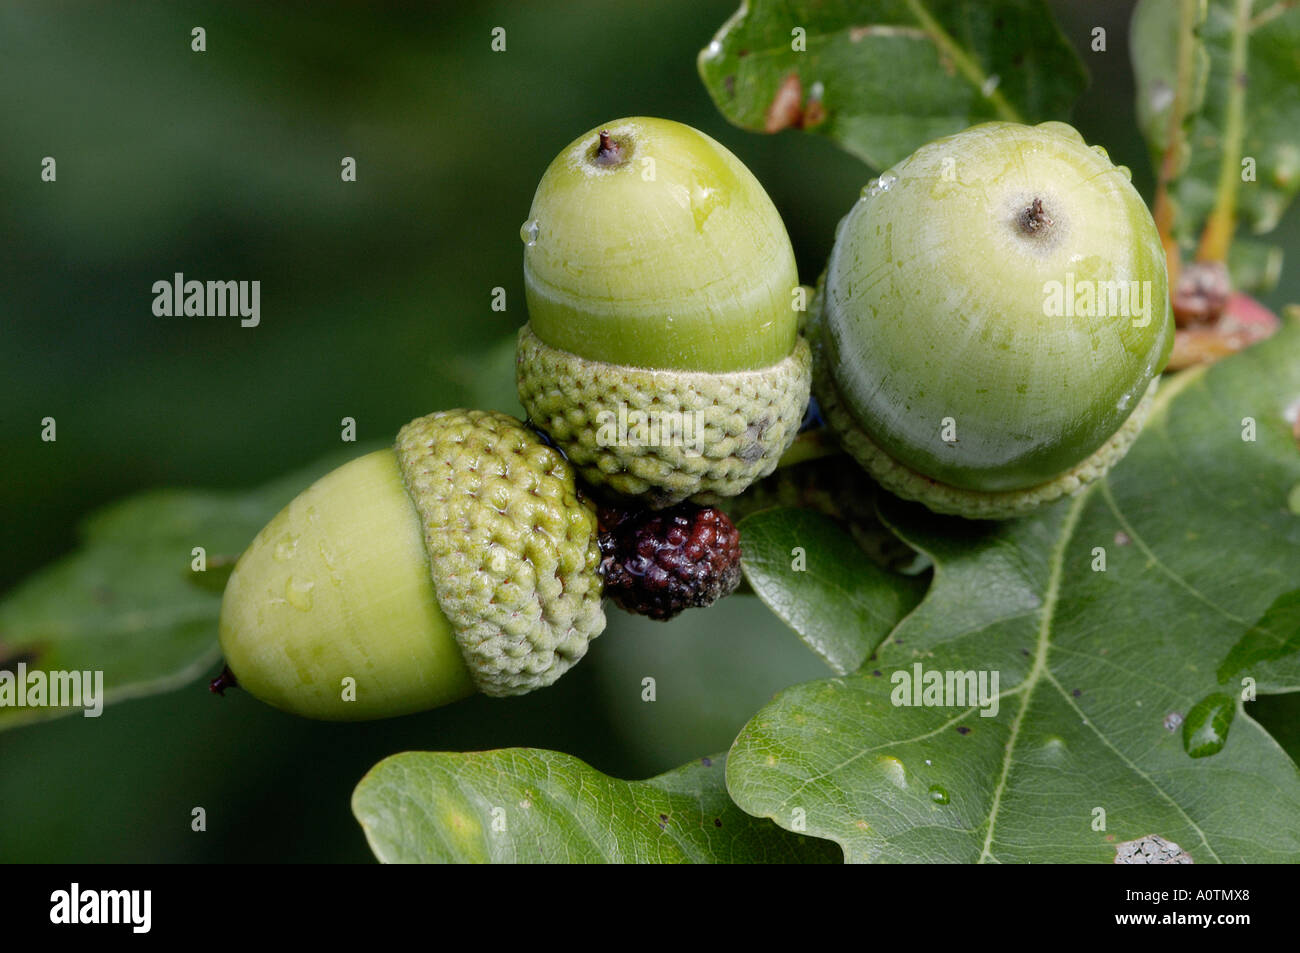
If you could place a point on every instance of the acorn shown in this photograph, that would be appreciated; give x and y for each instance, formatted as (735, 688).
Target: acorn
(460, 560)
(662, 352)
(992, 322)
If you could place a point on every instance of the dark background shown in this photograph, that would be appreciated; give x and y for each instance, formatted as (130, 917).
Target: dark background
(375, 305)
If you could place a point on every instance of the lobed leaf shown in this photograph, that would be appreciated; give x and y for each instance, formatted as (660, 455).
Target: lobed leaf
(1107, 620)
(883, 78)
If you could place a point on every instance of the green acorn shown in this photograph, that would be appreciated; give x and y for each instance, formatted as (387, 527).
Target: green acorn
(662, 352)
(993, 320)
(460, 560)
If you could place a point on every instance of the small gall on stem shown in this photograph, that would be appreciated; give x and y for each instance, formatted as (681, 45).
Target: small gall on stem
(1034, 219)
(608, 151)
(223, 681)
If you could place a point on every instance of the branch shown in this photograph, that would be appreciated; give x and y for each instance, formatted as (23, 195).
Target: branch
(1172, 160)
(1219, 228)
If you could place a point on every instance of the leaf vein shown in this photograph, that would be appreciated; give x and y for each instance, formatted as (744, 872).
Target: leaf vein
(1056, 565)
(1131, 765)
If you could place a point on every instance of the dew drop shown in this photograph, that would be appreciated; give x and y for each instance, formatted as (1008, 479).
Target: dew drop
(285, 548)
(528, 232)
(1162, 97)
(990, 85)
(876, 186)
(894, 771)
(938, 795)
(703, 200)
(1205, 730)
(298, 593)
(1292, 413)
(1173, 721)
(1122, 403)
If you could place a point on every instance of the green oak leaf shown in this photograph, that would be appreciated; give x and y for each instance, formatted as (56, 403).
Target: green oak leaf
(1155, 46)
(883, 78)
(1270, 127)
(1270, 650)
(1106, 619)
(523, 805)
(1254, 266)
(127, 602)
(1280, 714)
(814, 576)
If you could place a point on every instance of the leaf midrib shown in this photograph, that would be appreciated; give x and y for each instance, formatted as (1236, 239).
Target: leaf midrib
(1161, 404)
(1030, 681)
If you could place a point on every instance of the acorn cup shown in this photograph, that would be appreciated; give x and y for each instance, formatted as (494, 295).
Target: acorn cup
(992, 322)
(662, 352)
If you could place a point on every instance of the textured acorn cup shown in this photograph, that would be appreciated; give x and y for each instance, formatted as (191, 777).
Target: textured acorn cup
(954, 353)
(460, 560)
(662, 352)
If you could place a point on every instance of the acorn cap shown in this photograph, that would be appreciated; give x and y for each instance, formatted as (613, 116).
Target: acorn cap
(513, 551)
(461, 560)
(661, 437)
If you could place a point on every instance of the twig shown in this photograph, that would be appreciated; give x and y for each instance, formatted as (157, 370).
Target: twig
(1172, 160)
(1219, 228)
(1269, 14)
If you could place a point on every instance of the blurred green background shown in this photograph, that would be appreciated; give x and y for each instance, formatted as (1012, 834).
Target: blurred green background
(376, 305)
